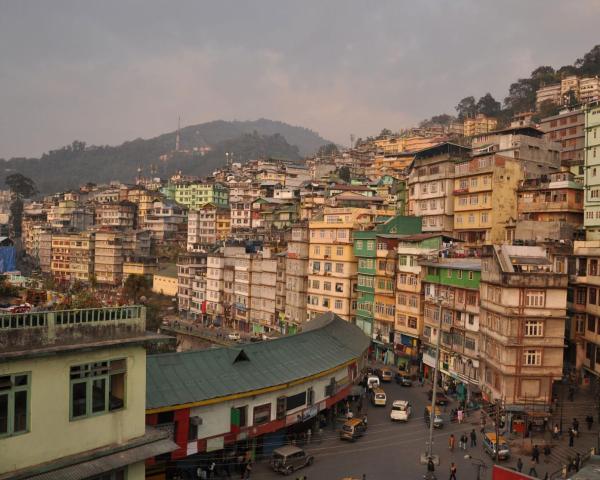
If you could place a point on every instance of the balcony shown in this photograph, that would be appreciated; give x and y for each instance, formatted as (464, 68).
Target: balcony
(532, 207)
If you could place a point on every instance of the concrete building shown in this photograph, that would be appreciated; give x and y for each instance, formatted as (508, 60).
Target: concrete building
(166, 221)
(548, 93)
(215, 266)
(74, 386)
(207, 225)
(478, 124)
(263, 291)
(591, 201)
(241, 213)
(296, 271)
(165, 282)
(112, 247)
(451, 289)
(73, 256)
(589, 90)
(484, 199)
(191, 290)
(194, 195)
(568, 129)
(523, 311)
(431, 183)
(122, 214)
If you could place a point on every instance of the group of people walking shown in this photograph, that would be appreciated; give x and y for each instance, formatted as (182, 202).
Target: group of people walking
(463, 440)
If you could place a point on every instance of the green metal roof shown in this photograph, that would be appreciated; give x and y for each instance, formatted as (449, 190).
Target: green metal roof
(185, 377)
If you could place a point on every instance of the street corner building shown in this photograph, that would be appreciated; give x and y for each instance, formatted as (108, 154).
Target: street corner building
(72, 386)
(221, 403)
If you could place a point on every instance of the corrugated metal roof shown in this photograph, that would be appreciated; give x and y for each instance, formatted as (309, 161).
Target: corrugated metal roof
(186, 377)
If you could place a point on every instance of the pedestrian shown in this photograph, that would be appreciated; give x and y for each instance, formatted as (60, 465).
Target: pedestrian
(308, 435)
(473, 438)
(451, 442)
(460, 442)
(247, 470)
(519, 464)
(571, 438)
(460, 415)
(577, 462)
(532, 470)
(576, 426)
(571, 393)
(535, 454)
(452, 471)
(529, 429)
(211, 469)
(590, 421)
(465, 441)
(547, 453)
(547, 476)
(556, 431)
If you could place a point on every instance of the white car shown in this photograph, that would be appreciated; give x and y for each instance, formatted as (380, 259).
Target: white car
(401, 411)
(373, 382)
(235, 336)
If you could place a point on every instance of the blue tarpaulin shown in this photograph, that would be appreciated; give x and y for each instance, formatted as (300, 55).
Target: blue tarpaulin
(7, 259)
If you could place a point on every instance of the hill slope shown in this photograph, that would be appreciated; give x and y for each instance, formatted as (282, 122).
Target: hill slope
(76, 164)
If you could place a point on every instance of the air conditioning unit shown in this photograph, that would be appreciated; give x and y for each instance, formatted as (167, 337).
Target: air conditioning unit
(196, 421)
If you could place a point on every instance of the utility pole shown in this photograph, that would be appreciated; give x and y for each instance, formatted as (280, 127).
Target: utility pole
(497, 425)
(435, 374)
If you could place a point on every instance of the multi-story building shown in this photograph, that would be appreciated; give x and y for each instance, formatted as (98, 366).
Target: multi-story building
(166, 221)
(591, 201)
(431, 183)
(484, 198)
(523, 311)
(555, 198)
(121, 214)
(241, 213)
(215, 265)
(568, 128)
(280, 292)
(73, 256)
(263, 290)
(191, 268)
(296, 277)
(479, 124)
(451, 289)
(194, 195)
(589, 90)
(332, 264)
(548, 93)
(206, 226)
(74, 385)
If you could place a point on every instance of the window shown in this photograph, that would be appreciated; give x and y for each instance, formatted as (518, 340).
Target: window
(281, 408)
(317, 250)
(14, 404)
(534, 328)
(359, 244)
(459, 274)
(591, 323)
(339, 268)
(470, 275)
(371, 245)
(532, 357)
(535, 298)
(412, 322)
(339, 287)
(592, 296)
(97, 388)
(469, 343)
(327, 267)
(338, 305)
(262, 414)
(295, 401)
(339, 251)
(327, 286)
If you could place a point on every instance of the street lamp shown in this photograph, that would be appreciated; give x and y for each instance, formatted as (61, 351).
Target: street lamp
(481, 465)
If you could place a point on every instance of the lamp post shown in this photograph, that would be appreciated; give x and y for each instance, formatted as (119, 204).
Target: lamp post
(478, 462)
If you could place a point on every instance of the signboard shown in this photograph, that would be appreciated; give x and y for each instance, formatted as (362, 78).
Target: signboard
(310, 412)
(428, 360)
(213, 444)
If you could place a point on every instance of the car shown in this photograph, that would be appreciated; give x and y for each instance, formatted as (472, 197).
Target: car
(440, 398)
(289, 458)
(373, 382)
(235, 336)
(490, 444)
(403, 379)
(352, 429)
(401, 411)
(385, 375)
(438, 422)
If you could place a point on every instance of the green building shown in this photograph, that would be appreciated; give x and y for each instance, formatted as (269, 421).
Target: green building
(591, 202)
(193, 195)
(367, 249)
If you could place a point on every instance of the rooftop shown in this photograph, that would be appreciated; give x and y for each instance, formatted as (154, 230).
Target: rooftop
(175, 380)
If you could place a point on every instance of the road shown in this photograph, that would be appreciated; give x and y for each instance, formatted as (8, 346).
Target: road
(390, 450)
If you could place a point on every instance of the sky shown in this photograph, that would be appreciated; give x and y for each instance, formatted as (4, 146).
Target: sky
(113, 70)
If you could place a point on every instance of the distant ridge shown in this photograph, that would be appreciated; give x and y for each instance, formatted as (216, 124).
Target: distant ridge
(78, 163)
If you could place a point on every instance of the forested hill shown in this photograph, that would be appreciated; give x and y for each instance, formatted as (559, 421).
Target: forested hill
(75, 164)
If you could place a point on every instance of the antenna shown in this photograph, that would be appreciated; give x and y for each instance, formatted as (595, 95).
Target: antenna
(351, 140)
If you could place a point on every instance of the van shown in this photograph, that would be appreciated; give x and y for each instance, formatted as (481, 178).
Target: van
(401, 410)
(235, 336)
(438, 422)
(490, 444)
(289, 458)
(353, 429)
(386, 375)
(378, 397)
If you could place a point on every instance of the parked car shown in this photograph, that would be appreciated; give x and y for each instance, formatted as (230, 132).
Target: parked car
(235, 336)
(385, 375)
(403, 379)
(490, 445)
(440, 398)
(289, 458)
(401, 411)
(353, 428)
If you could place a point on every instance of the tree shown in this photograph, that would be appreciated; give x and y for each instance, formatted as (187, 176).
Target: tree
(487, 105)
(344, 174)
(571, 98)
(135, 287)
(547, 109)
(590, 63)
(544, 75)
(21, 185)
(386, 132)
(466, 108)
(327, 150)
(521, 96)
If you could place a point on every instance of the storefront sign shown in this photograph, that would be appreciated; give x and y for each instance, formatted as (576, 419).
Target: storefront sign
(310, 412)
(213, 444)
(428, 360)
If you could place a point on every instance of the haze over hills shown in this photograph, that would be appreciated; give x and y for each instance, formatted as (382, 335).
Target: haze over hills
(75, 164)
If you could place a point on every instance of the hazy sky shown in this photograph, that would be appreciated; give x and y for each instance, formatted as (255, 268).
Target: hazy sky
(108, 71)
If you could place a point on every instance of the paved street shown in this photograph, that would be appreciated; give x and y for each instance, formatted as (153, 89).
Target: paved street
(390, 450)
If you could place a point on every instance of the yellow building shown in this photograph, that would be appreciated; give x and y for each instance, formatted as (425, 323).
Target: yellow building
(73, 395)
(165, 281)
(485, 198)
(73, 256)
(478, 125)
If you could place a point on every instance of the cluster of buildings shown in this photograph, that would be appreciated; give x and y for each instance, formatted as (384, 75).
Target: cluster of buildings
(584, 89)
